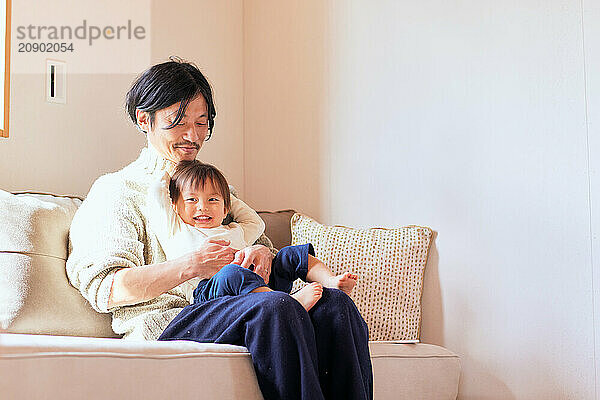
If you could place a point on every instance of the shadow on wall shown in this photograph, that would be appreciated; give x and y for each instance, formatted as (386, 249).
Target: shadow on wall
(432, 332)
(432, 320)
(286, 114)
(495, 388)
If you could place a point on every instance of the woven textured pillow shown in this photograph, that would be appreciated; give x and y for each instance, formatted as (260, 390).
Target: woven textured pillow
(389, 263)
(35, 295)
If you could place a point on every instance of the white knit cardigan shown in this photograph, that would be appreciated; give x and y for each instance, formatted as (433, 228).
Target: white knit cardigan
(109, 232)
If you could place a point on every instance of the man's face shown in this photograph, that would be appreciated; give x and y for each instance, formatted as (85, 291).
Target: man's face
(202, 207)
(184, 140)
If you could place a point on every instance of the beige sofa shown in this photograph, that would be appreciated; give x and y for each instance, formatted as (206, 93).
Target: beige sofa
(54, 346)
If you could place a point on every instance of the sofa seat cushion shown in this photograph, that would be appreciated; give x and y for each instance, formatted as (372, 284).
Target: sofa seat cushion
(27, 346)
(69, 368)
(414, 371)
(81, 367)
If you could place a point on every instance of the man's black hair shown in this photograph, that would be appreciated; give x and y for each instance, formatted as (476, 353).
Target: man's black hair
(165, 84)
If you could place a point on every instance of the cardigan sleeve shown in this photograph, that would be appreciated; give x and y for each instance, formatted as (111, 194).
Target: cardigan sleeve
(250, 222)
(265, 241)
(162, 218)
(106, 235)
(262, 239)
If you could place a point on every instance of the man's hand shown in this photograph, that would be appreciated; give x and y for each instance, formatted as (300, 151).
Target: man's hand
(210, 258)
(258, 255)
(135, 285)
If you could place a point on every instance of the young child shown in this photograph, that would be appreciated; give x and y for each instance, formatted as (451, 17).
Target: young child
(189, 208)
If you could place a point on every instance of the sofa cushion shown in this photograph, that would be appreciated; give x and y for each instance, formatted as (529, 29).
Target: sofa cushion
(277, 226)
(35, 296)
(75, 368)
(390, 265)
(36, 223)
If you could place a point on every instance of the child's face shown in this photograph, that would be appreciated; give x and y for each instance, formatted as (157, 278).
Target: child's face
(201, 207)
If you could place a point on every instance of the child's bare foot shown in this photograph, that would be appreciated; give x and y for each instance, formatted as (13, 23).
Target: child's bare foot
(309, 295)
(344, 282)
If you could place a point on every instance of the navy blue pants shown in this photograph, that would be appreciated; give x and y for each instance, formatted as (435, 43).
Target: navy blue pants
(290, 264)
(314, 355)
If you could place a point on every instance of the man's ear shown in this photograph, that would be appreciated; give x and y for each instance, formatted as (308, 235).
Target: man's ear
(143, 120)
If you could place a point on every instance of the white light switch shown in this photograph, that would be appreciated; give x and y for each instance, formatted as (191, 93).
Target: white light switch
(56, 81)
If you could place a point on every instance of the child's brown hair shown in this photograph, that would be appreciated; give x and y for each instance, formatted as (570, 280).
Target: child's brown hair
(193, 173)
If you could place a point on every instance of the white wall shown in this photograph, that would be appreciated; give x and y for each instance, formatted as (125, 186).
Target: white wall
(284, 99)
(469, 117)
(591, 17)
(209, 33)
(63, 148)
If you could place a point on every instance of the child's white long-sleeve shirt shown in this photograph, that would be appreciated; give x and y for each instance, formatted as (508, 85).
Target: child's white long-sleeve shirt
(178, 238)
